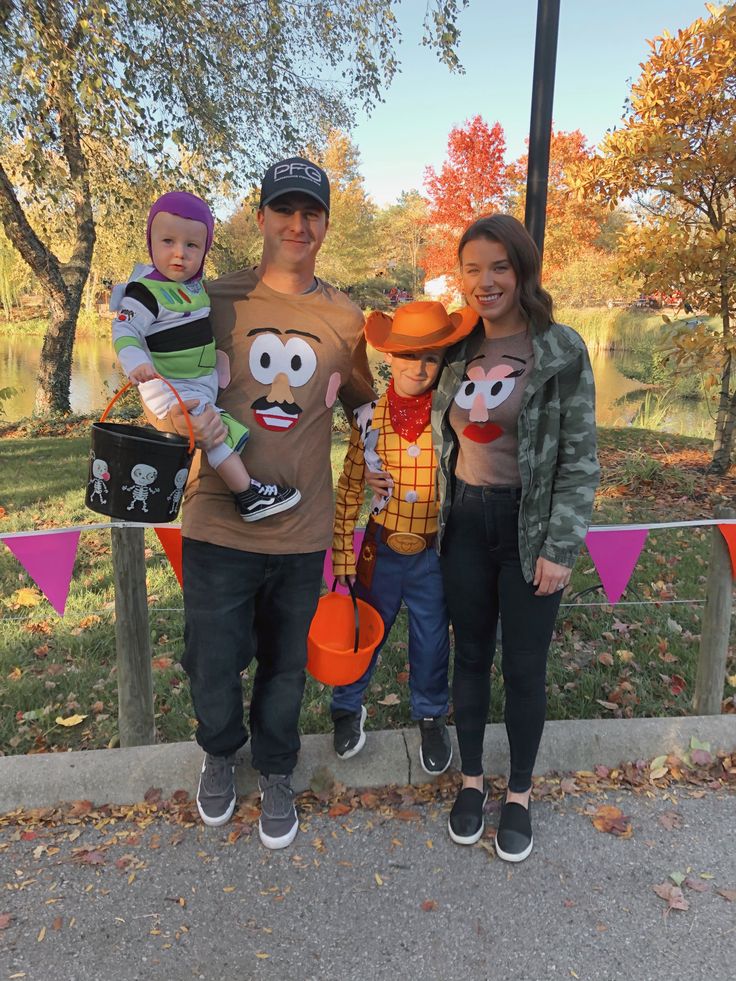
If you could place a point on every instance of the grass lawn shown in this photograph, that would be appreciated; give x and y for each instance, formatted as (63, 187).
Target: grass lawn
(633, 660)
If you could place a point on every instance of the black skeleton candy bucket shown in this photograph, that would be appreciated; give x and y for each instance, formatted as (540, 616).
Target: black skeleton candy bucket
(137, 473)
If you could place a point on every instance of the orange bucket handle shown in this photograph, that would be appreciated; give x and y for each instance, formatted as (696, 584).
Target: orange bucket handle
(355, 610)
(188, 421)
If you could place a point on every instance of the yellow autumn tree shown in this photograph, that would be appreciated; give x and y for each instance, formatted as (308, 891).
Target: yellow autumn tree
(674, 155)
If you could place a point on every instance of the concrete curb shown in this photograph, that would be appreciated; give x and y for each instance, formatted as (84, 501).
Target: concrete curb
(122, 776)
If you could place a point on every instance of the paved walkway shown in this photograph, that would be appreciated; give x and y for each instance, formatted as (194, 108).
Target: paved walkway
(374, 895)
(372, 888)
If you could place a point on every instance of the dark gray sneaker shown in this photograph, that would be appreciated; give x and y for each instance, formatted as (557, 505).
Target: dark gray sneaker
(435, 753)
(278, 825)
(216, 791)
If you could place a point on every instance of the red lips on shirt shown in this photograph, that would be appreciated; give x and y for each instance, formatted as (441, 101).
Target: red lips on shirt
(484, 432)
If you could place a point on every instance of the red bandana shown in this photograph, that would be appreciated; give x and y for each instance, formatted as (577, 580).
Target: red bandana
(409, 417)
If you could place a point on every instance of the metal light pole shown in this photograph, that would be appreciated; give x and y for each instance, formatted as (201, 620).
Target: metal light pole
(540, 125)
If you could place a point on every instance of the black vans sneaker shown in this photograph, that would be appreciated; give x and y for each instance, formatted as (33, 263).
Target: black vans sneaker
(349, 736)
(435, 753)
(263, 500)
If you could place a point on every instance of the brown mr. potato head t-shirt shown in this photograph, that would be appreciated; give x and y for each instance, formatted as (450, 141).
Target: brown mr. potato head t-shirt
(290, 357)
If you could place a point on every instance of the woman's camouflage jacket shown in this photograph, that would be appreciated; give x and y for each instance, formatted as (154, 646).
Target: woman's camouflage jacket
(557, 444)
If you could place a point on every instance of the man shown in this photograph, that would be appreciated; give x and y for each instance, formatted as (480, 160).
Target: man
(250, 591)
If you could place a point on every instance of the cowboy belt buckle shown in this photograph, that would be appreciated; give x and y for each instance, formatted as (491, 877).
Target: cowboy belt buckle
(406, 542)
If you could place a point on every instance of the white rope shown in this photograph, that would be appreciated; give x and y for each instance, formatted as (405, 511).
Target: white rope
(655, 525)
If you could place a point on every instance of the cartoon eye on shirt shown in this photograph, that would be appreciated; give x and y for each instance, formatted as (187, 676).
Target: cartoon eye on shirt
(282, 363)
(482, 391)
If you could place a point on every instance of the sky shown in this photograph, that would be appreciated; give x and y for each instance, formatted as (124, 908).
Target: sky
(601, 44)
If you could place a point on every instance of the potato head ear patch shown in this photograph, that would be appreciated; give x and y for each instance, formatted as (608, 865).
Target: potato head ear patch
(333, 387)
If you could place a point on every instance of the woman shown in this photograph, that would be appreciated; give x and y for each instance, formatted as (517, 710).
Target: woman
(514, 427)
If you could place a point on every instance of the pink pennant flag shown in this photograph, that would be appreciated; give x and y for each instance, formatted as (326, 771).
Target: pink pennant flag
(614, 554)
(327, 572)
(49, 561)
(729, 533)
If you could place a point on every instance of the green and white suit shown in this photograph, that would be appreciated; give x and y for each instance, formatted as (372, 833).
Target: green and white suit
(168, 324)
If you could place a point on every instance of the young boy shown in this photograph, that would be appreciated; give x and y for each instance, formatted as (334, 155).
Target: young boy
(163, 328)
(397, 559)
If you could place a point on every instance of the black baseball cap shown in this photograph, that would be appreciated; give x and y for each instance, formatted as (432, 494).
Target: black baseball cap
(295, 174)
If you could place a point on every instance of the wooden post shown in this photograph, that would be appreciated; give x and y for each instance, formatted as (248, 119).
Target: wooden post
(716, 625)
(132, 638)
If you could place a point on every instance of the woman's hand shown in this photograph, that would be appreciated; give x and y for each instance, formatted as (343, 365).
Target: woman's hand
(549, 577)
(344, 580)
(208, 427)
(380, 482)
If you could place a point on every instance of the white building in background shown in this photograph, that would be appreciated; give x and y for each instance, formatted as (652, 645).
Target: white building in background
(442, 288)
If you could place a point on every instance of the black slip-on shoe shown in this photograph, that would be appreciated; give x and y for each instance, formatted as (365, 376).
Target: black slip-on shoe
(466, 817)
(514, 840)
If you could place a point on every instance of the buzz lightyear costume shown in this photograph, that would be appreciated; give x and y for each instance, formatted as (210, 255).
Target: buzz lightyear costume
(167, 323)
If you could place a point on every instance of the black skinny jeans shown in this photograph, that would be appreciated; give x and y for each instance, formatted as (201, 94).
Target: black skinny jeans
(482, 576)
(239, 606)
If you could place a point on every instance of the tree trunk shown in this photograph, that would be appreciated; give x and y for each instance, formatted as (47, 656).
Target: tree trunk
(727, 402)
(55, 366)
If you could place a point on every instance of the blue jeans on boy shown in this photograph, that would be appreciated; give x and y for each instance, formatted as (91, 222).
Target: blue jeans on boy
(239, 606)
(418, 581)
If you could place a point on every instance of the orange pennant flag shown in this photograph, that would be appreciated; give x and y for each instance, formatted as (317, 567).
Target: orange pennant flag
(170, 538)
(729, 533)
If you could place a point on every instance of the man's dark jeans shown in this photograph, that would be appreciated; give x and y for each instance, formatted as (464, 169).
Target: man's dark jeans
(239, 606)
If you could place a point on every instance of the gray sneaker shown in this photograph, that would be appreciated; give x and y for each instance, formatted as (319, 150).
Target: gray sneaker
(278, 824)
(216, 791)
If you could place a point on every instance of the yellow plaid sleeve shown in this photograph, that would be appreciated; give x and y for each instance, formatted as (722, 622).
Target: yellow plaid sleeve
(348, 502)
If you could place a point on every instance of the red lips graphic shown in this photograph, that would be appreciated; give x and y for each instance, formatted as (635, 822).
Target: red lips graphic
(484, 432)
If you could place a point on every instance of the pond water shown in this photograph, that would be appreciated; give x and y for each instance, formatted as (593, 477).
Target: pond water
(96, 376)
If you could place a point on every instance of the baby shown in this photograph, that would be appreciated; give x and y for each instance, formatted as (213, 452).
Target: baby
(163, 328)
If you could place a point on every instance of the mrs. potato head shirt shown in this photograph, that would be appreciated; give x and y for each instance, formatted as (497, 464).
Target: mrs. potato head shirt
(291, 357)
(484, 413)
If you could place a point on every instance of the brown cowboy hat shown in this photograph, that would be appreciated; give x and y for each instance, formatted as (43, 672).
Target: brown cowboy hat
(420, 326)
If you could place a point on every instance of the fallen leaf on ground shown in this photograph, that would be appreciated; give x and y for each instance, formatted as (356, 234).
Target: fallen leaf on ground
(429, 904)
(26, 597)
(152, 795)
(379, 880)
(72, 720)
(672, 895)
(612, 821)
(611, 706)
(391, 699)
(338, 810)
(696, 884)
(670, 820)
(729, 894)
(5, 919)
(92, 857)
